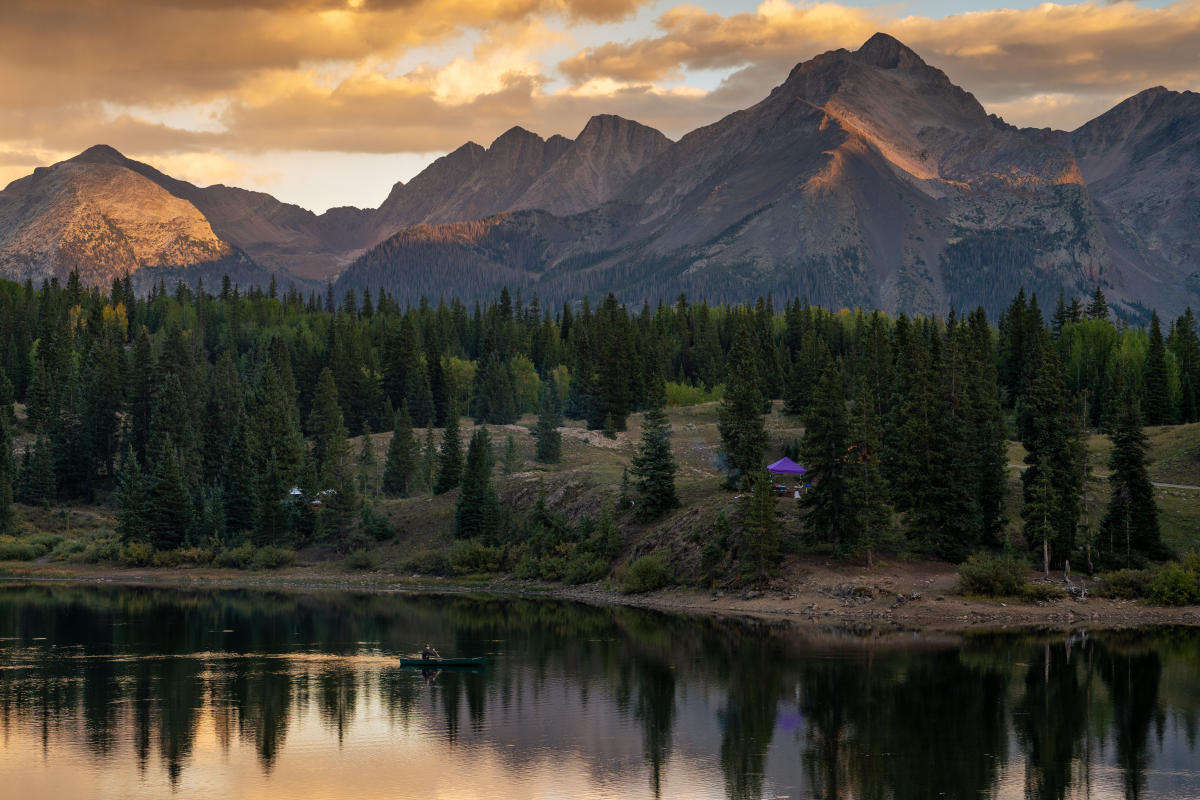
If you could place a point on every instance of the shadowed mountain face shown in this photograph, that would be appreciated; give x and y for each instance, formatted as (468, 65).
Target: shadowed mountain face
(866, 178)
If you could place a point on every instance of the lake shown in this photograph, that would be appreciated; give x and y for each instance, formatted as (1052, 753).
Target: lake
(138, 692)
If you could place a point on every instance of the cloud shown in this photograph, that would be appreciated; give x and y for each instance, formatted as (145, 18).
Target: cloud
(1005, 56)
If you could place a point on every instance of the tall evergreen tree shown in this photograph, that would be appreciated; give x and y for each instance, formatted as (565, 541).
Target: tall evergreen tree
(477, 513)
(131, 499)
(1098, 307)
(367, 463)
(325, 417)
(654, 466)
(1158, 409)
(760, 526)
(867, 489)
(825, 450)
(549, 439)
(8, 470)
(342, 504)
(41, 485)
(1051, 435)
(1185, 344)
(450, 458)
(739, 417)
(167, 513)
(402, 456)
(1130, 533)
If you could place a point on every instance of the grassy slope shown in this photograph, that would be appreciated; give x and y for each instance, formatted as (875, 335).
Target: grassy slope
(589, 476)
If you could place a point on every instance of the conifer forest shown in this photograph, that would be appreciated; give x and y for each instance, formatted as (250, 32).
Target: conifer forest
(224, 420)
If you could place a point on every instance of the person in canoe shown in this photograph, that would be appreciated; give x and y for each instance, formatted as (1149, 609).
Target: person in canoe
(429, 652)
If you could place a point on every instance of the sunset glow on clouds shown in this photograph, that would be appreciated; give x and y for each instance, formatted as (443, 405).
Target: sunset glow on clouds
(255, 93)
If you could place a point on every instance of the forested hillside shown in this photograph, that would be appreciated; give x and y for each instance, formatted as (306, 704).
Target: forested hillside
(214, 422)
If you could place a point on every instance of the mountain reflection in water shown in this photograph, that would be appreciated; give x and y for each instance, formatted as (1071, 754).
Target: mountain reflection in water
(143, 692)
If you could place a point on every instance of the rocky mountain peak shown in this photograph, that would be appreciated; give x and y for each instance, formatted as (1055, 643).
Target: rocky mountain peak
(887, 52)
(100, 154)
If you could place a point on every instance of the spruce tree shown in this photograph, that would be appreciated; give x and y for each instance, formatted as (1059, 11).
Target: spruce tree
(549, 439)
(41, 483)
(450, 458)
(826, 507)
(168, 509)
(512, 455)
(402, 456)
(1098, 307)
(1129, 532)
(654, 466)
(1052, 439)
(477, 513)
(1158, 397)
(131, 499)
(341, 506)
(740, 418)
(427, 474)
(1185, 344)
(8, 469)
(760, 527)
(366, 463)
(867, 490)
(325, 417)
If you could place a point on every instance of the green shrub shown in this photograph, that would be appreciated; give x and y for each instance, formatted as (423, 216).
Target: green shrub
(197, 556)
(427, 562)
(106, 549)
(585, 569)
(993, 575)
(13, 550)
(136, 554)
(68, 550)
(272, 557)
(45, 542)
(473, 557)
(1124, 584)
(362, 560)
(552, 568)
(1173, 584)
(1041, 590)
(165, 558)
(238, 558)
(646, 574)
(528, 568)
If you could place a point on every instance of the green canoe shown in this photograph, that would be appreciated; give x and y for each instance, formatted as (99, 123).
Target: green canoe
(441, 663)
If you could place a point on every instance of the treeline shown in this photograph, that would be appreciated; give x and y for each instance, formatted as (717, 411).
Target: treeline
(225, 416)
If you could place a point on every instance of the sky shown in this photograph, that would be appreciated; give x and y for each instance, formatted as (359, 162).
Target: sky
(326, 103)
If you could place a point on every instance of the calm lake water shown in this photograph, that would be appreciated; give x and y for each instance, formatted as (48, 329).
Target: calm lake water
(119, 692)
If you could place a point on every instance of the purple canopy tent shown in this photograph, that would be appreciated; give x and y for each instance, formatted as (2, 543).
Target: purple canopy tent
(785, 466)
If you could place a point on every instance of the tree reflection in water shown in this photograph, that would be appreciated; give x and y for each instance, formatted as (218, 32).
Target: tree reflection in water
(139, 675)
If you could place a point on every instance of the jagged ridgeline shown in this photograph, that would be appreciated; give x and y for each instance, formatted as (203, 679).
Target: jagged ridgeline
(203, 415)
(867, 178)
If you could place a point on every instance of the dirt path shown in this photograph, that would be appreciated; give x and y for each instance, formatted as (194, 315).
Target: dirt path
(908, 595)
(1023, 467)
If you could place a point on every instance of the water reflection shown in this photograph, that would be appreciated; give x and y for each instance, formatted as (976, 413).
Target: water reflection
(138, 692)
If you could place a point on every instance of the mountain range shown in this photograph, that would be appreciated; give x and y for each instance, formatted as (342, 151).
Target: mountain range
(867, 178)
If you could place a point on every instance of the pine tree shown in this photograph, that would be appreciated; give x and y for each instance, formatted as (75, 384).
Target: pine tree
(427, 474)
(41, 483)
(140, 394)
(549, 439)
(1158, 397)
(867, 490)
(1098, 308)
(1051, 435)
(131, 499)
(341, 506)
(512, 456)
(450, 459)
(366, 463)
(325, 417)
(1129, 532)
(400, 468)
(8, 469)
(760, 527)
(654, 467)
(477, 513)
(1185, 344)
(740, 418)
(825, 449)
(168, 509)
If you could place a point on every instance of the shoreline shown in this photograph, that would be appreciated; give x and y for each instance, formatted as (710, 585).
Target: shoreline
(815, 601)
